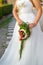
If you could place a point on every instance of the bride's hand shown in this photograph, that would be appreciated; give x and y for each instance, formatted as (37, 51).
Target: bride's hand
(19, 22)
(32, 25)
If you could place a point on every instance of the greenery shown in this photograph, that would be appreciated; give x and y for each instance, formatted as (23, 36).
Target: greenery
(25, 28)
(5, 9)
(1, 1)
(5, 22)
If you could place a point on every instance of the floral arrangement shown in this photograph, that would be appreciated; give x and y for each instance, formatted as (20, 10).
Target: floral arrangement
(24, 33)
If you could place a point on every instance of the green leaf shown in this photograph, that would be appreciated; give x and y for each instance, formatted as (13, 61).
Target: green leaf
(21, 48)
(27, 30)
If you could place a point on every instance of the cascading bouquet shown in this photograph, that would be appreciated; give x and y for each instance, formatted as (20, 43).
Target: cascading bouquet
(24, 33)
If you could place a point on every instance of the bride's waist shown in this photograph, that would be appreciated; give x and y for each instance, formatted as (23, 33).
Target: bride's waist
(27, 16)
(20, 13)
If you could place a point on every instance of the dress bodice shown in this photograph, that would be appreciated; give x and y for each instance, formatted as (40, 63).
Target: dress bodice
(25, 11)
(24, 6)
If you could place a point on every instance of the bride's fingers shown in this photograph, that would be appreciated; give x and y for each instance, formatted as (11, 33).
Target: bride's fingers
(19, 23)
(31, 25)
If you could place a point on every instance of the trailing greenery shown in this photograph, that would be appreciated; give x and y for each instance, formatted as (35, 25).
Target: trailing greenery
(5, 9)
(21, 48)
(5, 22)
(25, 28)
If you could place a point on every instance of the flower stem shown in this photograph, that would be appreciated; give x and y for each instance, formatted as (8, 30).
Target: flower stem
(21, 48)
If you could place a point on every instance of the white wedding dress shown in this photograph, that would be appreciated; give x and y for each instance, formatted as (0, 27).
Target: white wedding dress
(33, 46)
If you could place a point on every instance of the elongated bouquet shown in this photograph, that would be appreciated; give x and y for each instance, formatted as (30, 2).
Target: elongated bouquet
(24, 33)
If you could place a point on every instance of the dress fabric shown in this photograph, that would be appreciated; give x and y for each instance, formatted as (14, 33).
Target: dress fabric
(33, 47)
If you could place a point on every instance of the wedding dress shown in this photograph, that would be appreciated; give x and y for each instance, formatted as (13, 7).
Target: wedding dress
(33, 47)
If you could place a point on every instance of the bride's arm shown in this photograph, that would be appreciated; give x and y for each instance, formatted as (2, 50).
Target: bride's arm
(39, 12)
(15, 10)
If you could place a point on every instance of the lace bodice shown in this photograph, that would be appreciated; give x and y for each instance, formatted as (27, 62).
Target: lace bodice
(24, 6)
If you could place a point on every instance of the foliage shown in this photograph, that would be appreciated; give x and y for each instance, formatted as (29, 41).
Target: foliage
(25, 28)
(5, 9)
(1, 1)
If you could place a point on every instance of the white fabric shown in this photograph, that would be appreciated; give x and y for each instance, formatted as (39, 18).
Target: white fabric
(33, 46)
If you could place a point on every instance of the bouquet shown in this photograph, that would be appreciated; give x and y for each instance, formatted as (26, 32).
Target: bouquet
(24, 33)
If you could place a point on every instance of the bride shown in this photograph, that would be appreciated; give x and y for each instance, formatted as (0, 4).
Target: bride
(33, 47)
